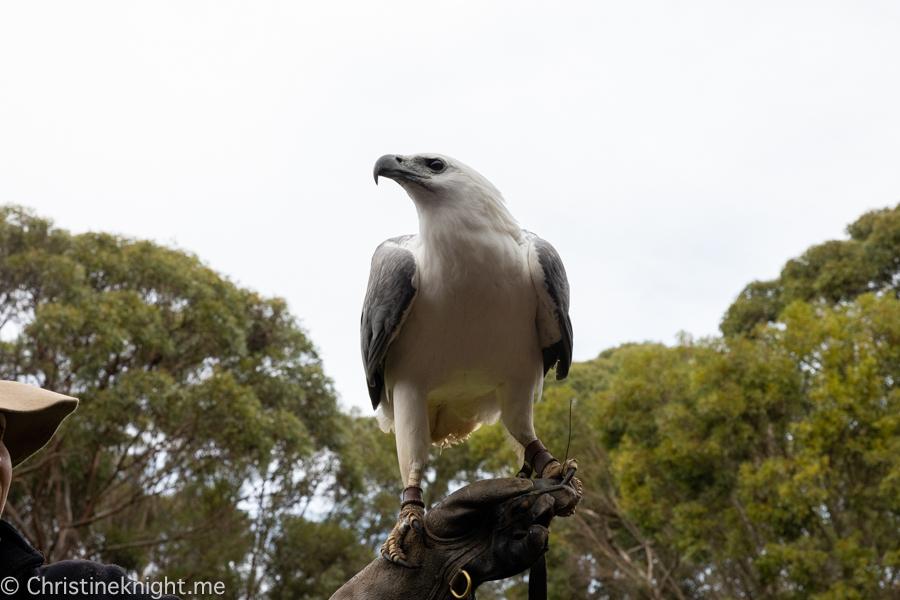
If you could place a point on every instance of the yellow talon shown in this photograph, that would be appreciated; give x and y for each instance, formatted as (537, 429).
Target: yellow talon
(392, 549)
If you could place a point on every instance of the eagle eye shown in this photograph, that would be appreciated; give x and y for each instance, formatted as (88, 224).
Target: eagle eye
(435, 164)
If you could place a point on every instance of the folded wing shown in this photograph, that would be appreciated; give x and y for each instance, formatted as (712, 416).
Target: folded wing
(389, 296)
(552, 286)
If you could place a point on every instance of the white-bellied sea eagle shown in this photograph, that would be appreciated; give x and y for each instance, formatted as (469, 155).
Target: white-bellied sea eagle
(460, 324)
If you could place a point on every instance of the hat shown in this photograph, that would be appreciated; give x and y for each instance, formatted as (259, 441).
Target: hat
(32, 416)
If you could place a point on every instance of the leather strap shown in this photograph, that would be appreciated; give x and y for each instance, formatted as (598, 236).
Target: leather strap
(537, 580)
(538, 456)
(412, 495)
(532, 449)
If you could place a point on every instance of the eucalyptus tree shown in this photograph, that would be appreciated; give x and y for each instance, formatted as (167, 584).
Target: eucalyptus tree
(205, 413)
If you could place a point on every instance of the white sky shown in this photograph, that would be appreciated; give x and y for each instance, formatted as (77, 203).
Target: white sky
(671, 151)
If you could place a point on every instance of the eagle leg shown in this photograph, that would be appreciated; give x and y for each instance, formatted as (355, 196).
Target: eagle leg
(412, 515)
(548, 467)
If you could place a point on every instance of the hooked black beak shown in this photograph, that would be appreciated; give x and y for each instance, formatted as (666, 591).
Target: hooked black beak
(395, 167)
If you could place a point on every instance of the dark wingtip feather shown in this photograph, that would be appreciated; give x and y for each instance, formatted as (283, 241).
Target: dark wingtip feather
(375, 388)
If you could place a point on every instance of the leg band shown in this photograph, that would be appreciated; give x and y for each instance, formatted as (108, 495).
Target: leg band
(538, 456)
(412, 495)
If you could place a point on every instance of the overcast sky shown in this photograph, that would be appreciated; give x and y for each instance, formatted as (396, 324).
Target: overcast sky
(671, 151)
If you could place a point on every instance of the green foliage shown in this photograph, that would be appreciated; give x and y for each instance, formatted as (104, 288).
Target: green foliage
(763, 468)
(831, 272)
(368, 502)
(763, 464)
(198, 399)
(312, 560)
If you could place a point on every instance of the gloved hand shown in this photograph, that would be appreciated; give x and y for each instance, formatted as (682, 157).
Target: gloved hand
(488, 530)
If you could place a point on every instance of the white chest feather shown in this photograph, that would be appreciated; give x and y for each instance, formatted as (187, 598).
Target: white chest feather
(472, 326)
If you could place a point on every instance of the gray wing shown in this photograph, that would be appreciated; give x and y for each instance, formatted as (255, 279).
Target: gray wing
(554, 326)
(389, 296)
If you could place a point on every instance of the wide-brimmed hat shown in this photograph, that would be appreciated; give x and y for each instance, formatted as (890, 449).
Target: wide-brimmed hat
(32, 416)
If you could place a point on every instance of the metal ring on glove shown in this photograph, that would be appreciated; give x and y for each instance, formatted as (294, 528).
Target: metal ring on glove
(465, 594)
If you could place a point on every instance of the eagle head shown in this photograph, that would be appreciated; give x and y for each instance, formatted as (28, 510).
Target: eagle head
(434, 178)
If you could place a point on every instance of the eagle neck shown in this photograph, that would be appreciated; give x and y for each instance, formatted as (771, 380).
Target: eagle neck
(458, 233)
(452, 223)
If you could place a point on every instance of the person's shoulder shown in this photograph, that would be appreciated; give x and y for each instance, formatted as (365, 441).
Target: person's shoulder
(82, 569)
(16, 554)
(78, 578)
(89, 579)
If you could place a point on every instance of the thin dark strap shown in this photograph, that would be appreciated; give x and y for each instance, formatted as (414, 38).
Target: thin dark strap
(537, 580)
